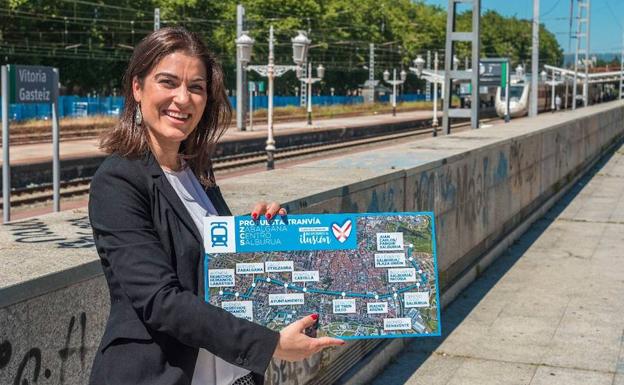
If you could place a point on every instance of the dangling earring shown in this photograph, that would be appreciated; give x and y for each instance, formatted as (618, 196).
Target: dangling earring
(138, 116)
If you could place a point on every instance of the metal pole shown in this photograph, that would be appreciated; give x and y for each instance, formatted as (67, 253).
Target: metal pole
(583, 19)
(56, 158)
(251, 96)
(567, 88)
(534, 59)
(476, 56)
(270, 143)
(309, 90)
(371, 72)
(448, 63)
(576, 55)
(6, 167)
(394, 84)
(621, 65)
(586, 82)
(240, 74)
(156, 19)
(428, 83)
(507, 116)
(507, 77)
(435, 95)
(303, 95)
(552, 92)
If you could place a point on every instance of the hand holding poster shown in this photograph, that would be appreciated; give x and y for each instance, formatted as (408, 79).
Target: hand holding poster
(366, 275)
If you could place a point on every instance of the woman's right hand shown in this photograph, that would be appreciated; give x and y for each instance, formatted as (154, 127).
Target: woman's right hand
(269, 210)
(294, 345)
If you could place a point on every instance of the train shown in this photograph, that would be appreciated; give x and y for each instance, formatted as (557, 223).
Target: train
(519, 93)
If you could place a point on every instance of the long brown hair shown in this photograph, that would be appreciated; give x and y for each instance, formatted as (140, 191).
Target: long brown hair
(130, 140)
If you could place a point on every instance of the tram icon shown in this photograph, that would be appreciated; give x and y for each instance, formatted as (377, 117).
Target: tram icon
(219, 234)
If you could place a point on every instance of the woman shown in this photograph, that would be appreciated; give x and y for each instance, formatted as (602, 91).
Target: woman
(146, 206)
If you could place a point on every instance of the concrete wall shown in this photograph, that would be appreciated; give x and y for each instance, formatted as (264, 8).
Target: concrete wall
(53, 300)
(480, 184)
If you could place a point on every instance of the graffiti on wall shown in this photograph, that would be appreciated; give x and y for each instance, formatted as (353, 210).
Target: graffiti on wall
(386, 197)
(294, 373)
(36, 231)
(31, 368)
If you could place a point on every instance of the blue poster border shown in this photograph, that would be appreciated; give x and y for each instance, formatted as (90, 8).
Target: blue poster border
(430, 214)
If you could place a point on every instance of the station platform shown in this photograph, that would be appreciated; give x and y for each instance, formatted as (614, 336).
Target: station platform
(548, 311)
(88, 148)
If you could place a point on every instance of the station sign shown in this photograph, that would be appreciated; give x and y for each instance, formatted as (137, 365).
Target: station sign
(493, 72)
(465, 89)
(24, 84)
(490, 73)
(32, 84)
(255, 86)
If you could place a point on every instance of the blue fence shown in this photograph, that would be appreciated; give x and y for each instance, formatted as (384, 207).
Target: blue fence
(68, 106)
(262, 101)
(402, 98)
(76, 106)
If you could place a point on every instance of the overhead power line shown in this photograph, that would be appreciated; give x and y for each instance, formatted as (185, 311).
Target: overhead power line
(101, 5)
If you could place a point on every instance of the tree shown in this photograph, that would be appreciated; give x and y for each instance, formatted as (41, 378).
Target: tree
(511, 37)
(91, 41)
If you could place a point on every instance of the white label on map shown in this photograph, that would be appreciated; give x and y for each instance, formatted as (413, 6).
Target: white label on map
(397, 323)
(389, 259)
(219, 235)
(344, 306)
(241, 309)
(286, 299)
(250, 268)
(278, 266)
(221, 277)
(418, 299)
(377, 307)
(389, 241)
(407, 274)
(305, 276)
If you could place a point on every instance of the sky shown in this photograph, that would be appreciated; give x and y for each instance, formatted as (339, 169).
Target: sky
(607, 19)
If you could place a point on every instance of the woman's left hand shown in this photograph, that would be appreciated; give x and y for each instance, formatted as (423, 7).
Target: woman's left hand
(294, 345)
(269, 210)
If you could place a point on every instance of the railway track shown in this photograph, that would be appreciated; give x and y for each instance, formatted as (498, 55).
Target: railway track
(91, 131)
(222, 165)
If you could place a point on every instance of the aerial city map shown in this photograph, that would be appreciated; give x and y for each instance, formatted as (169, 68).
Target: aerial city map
(366, 275)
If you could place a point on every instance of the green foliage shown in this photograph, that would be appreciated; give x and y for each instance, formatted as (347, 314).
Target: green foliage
(511, 37)
(89, 40)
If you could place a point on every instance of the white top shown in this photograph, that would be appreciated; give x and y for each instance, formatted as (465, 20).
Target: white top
(209, 369)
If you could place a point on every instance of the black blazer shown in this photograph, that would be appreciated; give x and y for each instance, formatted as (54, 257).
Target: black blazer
(151, 253)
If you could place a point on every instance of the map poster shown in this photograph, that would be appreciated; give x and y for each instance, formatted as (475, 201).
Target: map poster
(365, 275)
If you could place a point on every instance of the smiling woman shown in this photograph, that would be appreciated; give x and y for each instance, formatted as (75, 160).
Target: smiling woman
(172, 99)
(172, 75)
(147, 203)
